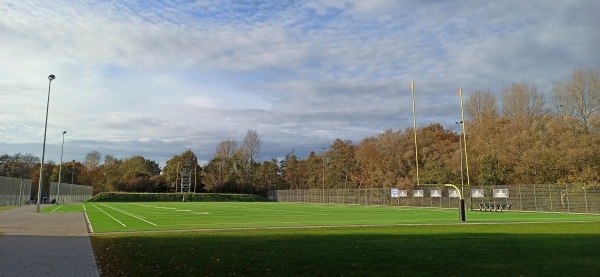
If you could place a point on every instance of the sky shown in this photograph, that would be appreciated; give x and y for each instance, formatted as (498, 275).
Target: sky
(156, 78)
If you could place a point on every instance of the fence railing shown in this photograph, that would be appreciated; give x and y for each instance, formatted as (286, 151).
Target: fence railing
(16, 192)
(567, 198)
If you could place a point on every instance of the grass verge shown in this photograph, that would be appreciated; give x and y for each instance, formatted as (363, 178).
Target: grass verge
(540, 249)
(6, 207)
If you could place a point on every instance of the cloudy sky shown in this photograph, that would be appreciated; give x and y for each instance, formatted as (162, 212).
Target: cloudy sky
(155, 78)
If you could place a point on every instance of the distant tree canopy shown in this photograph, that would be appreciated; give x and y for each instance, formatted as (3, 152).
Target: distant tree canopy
(527, 139)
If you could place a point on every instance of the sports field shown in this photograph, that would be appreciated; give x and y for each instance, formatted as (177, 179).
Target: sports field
(156, 216)
(255, 239)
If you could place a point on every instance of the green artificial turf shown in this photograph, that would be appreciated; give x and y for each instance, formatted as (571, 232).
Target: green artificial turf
(156, 216)
(537, 249)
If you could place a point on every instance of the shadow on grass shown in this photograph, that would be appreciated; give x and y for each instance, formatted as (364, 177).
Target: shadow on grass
(510, 250)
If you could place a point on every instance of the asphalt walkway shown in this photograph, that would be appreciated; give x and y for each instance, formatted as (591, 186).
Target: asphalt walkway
(45, 244)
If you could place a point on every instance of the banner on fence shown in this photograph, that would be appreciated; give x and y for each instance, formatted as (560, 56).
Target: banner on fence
(436, 193)
(500, 193)
(395, 193)
(418, 193)
(453, 193)
(477, 193)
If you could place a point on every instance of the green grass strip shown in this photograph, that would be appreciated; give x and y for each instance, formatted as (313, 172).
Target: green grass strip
(541, 249)
(6, 207)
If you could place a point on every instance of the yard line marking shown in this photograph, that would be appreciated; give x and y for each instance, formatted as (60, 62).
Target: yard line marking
(121, 211)
(56, 208)
(109, 215)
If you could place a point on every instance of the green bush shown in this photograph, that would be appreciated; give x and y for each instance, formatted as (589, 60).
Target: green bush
(175, 197)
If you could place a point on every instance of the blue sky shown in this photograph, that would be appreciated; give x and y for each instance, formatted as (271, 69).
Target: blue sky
(155, 78)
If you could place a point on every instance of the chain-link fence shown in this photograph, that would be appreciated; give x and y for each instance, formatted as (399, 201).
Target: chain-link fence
(16, 192)
(568, 198)
(70, 193)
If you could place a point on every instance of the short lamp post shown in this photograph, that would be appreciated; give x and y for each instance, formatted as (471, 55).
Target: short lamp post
(39, 194)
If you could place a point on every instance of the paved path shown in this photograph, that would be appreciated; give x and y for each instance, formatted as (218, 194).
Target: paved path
(45, 244)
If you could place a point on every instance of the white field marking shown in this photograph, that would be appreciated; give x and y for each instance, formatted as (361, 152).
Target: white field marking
(200, 213)
(136, 217)
(109, 215)
(156, 207)
(149, 206)
(183, 210)
(84, 207)
(305, 223)
(56, 208)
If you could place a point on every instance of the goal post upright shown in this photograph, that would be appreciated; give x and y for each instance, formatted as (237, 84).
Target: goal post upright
(464, 133)
(461, 206)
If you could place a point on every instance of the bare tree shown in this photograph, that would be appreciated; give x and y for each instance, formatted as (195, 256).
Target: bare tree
(250, 151)
(481, 104)
(251, 145)
(226, 148)
(522, 100)
(579, 96)
(92, 160)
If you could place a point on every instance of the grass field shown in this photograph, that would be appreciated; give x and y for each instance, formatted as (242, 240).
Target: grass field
(234, 239)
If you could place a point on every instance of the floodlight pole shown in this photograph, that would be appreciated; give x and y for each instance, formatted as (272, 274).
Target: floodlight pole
(39, 194)
(62, 149)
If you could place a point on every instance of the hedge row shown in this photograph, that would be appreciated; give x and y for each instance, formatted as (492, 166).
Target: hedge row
(175, 197)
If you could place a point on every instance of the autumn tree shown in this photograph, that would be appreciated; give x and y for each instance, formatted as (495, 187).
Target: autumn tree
(367, 171)
(220, 173)
(580, 96)
(436, 151)
(341, 161)
(293, 172)
(269, 176)
(481, 105)
(521, 101)
(35, 178)
(18, 165)
(185, 161)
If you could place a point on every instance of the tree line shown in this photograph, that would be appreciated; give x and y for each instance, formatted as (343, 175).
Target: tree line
(521, 138)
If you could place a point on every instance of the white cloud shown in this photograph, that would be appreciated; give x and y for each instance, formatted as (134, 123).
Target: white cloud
(158, 78)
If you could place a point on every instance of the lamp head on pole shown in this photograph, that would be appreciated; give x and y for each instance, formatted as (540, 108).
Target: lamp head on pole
(64, 132)
(51, 77)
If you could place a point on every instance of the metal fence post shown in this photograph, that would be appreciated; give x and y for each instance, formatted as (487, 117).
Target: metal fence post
(568, 202)
(535, 197)
(585, 199)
